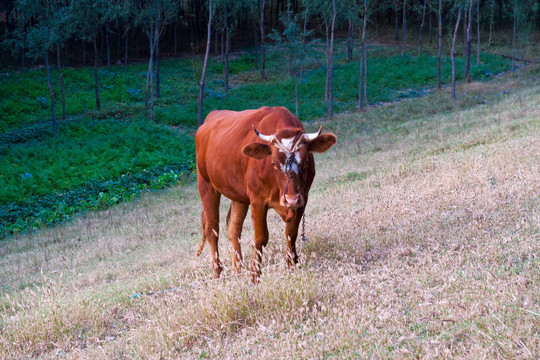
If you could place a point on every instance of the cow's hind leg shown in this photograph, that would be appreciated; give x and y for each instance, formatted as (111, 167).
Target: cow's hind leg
(210, 198)
(203, 228)
(235, 220)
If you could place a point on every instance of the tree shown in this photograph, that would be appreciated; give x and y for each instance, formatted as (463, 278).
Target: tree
(522, 24)
(453, 53)
(63, 31)
(404, 28)
(351, 11)
(87, 18)
(491, 20)
(294, 40)
(328, 10)
(38, 32)
(203, 75)
(468, 43)
(439, 53)
(395, 7)
(263, 54)
(154, 15)
(330, 65)
(362, 87)
(421, 28)
(226, 14)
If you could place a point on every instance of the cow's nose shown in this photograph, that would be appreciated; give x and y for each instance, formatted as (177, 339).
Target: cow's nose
(293, 201)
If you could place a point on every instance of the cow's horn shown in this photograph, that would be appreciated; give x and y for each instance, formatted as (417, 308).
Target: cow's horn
(268, 138)
(312, 136)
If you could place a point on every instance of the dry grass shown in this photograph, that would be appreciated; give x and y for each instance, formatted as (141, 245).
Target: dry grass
(424, 227)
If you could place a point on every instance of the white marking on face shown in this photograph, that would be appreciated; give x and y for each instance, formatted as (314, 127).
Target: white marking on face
(294, 165)
(288, 143)
(297, 157)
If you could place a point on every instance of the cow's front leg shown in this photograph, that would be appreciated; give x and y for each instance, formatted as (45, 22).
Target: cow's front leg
(291, 233)
(258, 215)
(235, 220)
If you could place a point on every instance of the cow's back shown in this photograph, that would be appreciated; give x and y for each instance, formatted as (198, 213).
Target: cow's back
(220, 140)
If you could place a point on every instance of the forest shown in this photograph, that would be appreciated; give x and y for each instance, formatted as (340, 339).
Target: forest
(423, 223)
(80, 75)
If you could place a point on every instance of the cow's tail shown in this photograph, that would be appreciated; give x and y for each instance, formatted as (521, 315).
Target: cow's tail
(203, 240)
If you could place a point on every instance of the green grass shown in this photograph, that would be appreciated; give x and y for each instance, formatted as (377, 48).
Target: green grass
(45, 180)
(24, 95)
(419, 247)
(84, 151)
(92, 164)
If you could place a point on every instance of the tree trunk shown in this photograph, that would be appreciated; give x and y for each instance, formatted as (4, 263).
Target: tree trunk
(263, 57)
(222, 46)
(396, 21)
(136, 43)
(126, 47)
(304, 38)
(201, 84)
(440, 46)
(118, 45)
(226, 57)
(216, 43)
(157, 67)
(331, 64)
(430, 25)
(491, 20)
(296, 93)
(363, 64)
(350, 41)
(468, 44)
(96, 82)
(256, 37)
(514, 40)
(149, 73)
(84, 52)
(404, 30)
(101, 43)
(175, 35)
(51, 94)
(365, 77)
(453, 54)
(327, 67)
(477, 32)
(107, 40)
(23, 58)
(421, 28)
(153, 51)
(61, 75)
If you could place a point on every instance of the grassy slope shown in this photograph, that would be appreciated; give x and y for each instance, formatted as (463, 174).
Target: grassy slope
(424, 242)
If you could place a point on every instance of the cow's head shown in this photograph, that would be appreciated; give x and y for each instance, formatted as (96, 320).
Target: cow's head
(289, 151)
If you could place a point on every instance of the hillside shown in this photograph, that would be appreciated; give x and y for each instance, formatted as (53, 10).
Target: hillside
(424, 237)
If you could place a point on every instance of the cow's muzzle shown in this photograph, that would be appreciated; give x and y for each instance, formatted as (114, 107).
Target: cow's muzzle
(293, 201)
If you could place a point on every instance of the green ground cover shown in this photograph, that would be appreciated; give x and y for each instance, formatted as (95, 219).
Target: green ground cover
(101, 158)
(24, 95)
(92, 164)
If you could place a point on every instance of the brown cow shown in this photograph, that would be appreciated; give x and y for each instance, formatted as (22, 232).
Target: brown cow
(265, 171)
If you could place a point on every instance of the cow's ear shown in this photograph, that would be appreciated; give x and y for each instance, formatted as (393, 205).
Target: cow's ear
(257, 150)
(322, 143)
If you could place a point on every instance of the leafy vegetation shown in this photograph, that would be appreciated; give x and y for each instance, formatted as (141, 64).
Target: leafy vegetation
(24, 101)
(91, 164)
(100, 158)
(416, 217)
